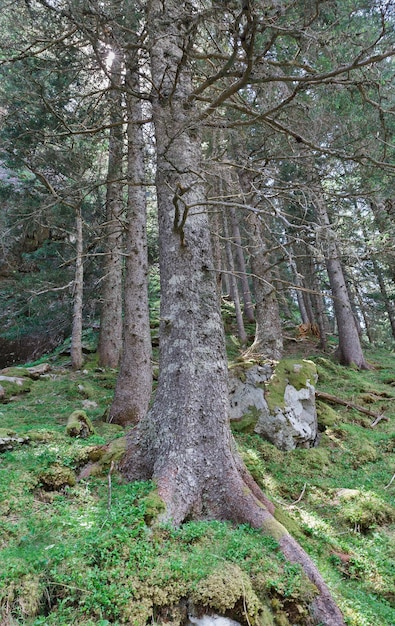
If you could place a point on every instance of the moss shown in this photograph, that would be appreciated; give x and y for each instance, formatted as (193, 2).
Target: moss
(226, 587)
(57, 477)
(154, 506)
(247, 423)
(287, 521)
(79, 425)
(12, 388)
(326, 416)
(363, 452)
(274, 529)
(6, 432)
(364, 511)
(295, 372)
(17, 372)
(29, 595)
(41, 436)
(104, 456)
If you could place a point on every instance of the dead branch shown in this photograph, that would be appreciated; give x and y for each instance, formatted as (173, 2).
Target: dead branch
(350, 405)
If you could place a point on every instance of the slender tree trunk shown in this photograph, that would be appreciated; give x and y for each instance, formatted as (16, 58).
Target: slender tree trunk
(110, 339)
(234, 292)
(389, 307)
(185, 443)
(241, 265)
(268, 342)
(349, 349)
(76, 333)
(134, 384)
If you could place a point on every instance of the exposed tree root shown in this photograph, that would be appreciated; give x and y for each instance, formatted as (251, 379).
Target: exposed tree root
(229, 493)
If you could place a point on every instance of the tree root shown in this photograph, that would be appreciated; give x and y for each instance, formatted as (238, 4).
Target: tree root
(190, 493)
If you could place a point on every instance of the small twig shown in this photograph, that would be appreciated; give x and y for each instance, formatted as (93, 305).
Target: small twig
(110, 486)
(301, 495)
(390, 482)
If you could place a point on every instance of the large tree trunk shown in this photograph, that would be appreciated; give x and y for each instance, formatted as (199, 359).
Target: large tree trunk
(184, 443)
(110, 339)
(134, 384)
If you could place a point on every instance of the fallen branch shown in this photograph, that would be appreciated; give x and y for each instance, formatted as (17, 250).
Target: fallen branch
(390, 482)
(350, 405)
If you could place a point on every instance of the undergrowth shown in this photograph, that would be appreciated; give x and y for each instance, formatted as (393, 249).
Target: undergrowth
(85, 551)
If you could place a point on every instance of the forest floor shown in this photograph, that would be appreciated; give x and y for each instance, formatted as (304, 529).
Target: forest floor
(90, 552)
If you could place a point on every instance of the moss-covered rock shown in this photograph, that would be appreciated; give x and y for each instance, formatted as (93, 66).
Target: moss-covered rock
(79, 425)
(295, 372)
(14, 386)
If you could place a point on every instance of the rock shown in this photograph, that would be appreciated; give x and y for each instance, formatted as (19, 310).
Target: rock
(13, 386)
(9, 439)
(277, 404)
(212, 620)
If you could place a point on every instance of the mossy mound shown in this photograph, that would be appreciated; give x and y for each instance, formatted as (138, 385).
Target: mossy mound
(57, 477)
(364, 511)
(229, 589)
(326, 416)
(79, 425)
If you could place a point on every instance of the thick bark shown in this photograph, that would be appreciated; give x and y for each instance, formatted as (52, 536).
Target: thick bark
(110, 340)
(184, 443)
(76, 332)
(349, 350)
(134, 384)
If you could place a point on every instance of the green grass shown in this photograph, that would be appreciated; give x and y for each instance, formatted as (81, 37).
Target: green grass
(80, 554)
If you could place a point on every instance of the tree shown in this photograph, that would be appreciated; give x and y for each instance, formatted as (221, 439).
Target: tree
(134, 383)
(184, 443)
(110, 339)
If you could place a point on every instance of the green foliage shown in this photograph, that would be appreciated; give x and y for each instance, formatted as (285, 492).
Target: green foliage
(73, 553)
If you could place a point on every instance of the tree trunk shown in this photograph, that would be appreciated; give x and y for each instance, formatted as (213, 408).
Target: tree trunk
(245, 288)
(349, 350)
(234, 292)
(110, 340)
(184, 443)
(76, 333)
(134, 384)
(268, 342)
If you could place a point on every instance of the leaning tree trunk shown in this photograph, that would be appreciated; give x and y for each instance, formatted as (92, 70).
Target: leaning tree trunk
(110, 339)
(76, 332)
(134, 384)
(184, 443)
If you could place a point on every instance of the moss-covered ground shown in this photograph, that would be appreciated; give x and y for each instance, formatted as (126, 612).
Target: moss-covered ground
(89, 552)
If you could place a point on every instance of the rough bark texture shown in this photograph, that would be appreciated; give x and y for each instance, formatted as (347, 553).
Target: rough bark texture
(76, 332)
(268, 340)
(134, 384)
(349, 350)
(110, 340)
(184, 443)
